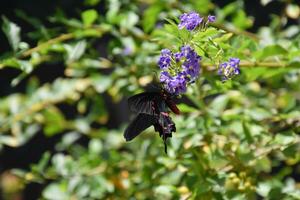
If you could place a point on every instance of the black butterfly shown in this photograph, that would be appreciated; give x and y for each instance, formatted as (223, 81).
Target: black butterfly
(152, 109)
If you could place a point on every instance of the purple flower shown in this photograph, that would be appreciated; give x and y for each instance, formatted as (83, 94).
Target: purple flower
(191, 64)
(211, 18)
(178, 56)
(234, 62)
(166, 52)
(165, 59)
(189, 20)
(164, 77)
(229, 69)
(185, 50)
(186, 69)
(127, 51)
(177, 85)
(222, 67)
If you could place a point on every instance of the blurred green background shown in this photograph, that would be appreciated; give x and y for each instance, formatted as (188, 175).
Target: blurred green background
(67, 68)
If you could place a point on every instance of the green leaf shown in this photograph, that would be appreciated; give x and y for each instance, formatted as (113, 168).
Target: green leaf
(285, 138)
(95, 146)
(203, 36)
(223, 38)
(74, 52)
(184, 108)
(129, 20)
(247, 133)
(91, 2)
(101, 83)
(254, 73)
(89, 17)
(219, 104)
(150, 16)
(68, 139)
(164, 191)
(54, 121)
(286, 102)
(26, 67)
(241, 20)
(42, 164)
(258, 113)
(56, 191)
(271, 50)
(12, 32)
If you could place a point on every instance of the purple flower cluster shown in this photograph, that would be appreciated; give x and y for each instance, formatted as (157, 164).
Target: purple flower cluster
(190, 21)
(211, 18)
(165, 59)
(229, 69)
(183, 68)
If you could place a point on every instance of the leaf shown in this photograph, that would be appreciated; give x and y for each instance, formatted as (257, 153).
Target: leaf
(91, 2)
(271, 50)
(95, 146)
(258, 113)
(164, 191)
(54, 121)
(42, 164)
(241, 20)
(223, 38)
(26, 67)
(76, 51)
(219, 104)
(294, 64)
(12, 32)
(286, 138)
(286, 102)
(247, 133)
(67, 140)
(56, 191)
(254, 73)
(89, 17)
(203, 36)
(101, 83)
(9, 140)
(150, 16)
(184, 108)
(129, 20)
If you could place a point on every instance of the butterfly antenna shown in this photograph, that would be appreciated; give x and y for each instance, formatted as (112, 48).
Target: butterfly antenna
(155, 75)
(154, 85)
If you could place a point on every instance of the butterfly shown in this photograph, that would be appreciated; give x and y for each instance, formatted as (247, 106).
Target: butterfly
(152, 109)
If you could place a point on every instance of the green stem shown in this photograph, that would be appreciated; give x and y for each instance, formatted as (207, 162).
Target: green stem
(237, 32)
(58, 39)
(211, 66)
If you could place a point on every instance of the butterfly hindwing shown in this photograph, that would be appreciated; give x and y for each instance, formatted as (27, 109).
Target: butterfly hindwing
(141, 122)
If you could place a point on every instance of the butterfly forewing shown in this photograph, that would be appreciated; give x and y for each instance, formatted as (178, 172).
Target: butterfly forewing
(141, 122)
(145, 102)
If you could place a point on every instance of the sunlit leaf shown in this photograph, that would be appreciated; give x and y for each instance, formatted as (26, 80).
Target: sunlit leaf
(12, 32)
(89, 17)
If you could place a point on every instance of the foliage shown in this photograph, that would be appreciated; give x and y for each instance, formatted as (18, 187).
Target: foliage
(234, 140)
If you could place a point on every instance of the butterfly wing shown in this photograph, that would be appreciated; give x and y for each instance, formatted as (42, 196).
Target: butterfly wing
(145, 102)
(141, 122)
(172, 105)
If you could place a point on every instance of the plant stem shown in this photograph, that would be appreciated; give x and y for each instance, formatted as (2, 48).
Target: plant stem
(237, 32)
(210, 66)
(58, 39)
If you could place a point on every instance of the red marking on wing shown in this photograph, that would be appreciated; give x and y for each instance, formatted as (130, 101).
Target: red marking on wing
(173, 107)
